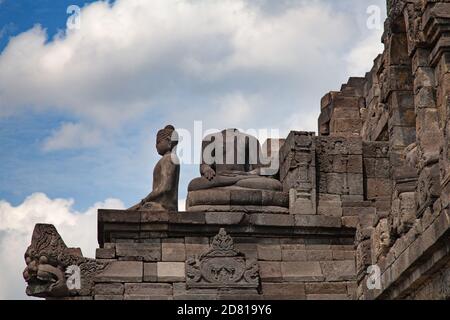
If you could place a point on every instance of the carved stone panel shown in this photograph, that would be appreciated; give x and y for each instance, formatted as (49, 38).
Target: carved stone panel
(298, 172)
(222, 267)
(54, 270)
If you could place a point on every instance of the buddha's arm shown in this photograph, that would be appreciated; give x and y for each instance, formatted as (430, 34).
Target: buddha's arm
(206, 170)
(166, 183)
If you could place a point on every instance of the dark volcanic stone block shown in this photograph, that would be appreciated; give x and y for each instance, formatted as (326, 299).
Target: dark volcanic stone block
(173, 249)
(301, 271)
(103, 253)
(122, 271)
(224, 218)
(109, 289)
(150, 272)
(284, 290)
(317, 221)
(272, 219)
(148, 291)
(141, 251)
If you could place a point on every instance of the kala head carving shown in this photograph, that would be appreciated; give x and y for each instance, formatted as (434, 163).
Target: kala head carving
(54, 270)
(45, 263)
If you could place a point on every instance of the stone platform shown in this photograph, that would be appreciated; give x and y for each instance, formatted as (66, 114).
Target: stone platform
(298, 257)
(238, 200)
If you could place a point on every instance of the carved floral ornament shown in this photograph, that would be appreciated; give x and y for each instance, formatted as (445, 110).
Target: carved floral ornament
(222, 267)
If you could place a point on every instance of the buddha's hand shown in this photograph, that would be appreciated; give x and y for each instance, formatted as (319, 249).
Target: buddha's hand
(209, 173)
(256, 172)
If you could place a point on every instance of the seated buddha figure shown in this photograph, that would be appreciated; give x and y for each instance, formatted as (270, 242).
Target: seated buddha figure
(164, 196)
(233, 176)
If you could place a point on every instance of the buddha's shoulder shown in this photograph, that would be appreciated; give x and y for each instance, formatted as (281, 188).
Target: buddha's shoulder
(170, 159)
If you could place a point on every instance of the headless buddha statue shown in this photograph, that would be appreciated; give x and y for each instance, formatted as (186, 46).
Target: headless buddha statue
(232, 178)
(164, 196)
(232, 159)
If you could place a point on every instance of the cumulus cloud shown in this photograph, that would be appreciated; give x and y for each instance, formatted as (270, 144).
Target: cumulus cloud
(78, 229)
(132, 56)
(234, 110)
(360, 58)
(71, 135)
(182, 205)
(231, 63)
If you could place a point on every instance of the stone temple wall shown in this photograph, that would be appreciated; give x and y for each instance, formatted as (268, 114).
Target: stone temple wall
(403, 103)
(370, 192)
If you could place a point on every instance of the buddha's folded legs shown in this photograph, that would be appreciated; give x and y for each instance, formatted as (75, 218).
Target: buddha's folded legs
(242, 181)
(218, 181)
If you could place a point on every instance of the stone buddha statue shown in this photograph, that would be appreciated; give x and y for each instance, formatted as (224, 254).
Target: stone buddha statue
(233, 176)
(166, 174)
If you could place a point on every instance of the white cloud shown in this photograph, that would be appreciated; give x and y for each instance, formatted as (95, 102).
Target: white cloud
(234, 110)
(130, 56)
(78, 229)
(71, 135)
(361, 57)
(182, 205)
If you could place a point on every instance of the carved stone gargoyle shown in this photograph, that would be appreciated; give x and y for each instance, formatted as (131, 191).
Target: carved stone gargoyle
(56, 271)
(222, 267)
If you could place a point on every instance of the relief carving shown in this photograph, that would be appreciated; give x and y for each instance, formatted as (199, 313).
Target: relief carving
(302, 193)
(222, 267)
(413, 19)
(54, 270)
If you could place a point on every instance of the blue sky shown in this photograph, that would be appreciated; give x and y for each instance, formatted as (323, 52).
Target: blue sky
(91, 174)
(18, 16)
(79, 109)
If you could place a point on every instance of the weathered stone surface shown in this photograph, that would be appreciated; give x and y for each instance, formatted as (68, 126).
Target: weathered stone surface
(327, 297)
(222, 267)
(270, 271)
(317, 221)
(150, 272)
(301, 271)
(293, 252)
(283, 291)
(51, 266)
(109, 289)
(104, 253)
(319, 255)
(222, 218)
(148, 291)
(140, 251)
(108, 297)
(350, 221)
(381, 239)
(343, 255)
(269, 252)
(272, 219)
(330, 208)
(171, 272)
(338, 270)
(326, 288)
(122, 271)
(196, 246)
(247, 248)
(378, 188)
(173, 250)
